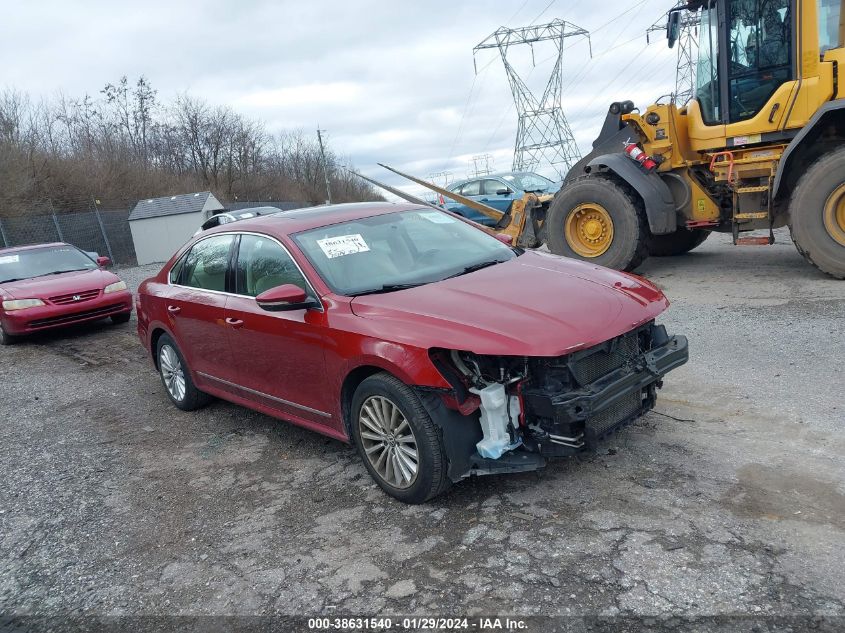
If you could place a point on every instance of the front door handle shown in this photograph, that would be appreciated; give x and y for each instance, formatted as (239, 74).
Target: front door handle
(234, 322)
(174, 309)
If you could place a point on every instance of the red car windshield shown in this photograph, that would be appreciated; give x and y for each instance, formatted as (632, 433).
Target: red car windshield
(398, 250)
(38, 262)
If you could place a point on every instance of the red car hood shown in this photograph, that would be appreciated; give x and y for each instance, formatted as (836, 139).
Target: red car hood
(52, 285)
(534, 305)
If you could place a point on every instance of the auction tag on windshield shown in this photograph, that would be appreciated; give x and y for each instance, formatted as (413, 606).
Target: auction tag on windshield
(343, 245)
(436, 217)
(10, 259)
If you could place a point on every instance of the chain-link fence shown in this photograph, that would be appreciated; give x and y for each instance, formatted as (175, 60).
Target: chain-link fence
(103, 232)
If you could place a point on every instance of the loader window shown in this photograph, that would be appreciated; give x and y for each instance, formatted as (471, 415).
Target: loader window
(760, 51)
(830, 30)
(706, 75)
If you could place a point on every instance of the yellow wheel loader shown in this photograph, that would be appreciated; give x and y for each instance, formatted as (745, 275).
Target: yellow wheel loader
(760, 145)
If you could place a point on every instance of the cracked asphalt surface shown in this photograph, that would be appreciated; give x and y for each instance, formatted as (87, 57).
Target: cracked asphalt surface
(728, 499)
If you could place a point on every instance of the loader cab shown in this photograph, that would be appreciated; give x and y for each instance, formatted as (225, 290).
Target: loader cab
(758, 69)
(745, 54)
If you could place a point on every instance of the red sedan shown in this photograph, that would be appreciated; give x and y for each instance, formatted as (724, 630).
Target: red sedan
(436, 348)
(47, 286)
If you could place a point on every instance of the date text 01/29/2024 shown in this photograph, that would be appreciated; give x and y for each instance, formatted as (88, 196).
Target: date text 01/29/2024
(417, 624)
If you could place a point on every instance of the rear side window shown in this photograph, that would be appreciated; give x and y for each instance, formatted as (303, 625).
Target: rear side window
(262, 265)
(206, 264)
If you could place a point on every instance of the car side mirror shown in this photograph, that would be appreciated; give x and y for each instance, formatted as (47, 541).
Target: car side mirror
(102, 262)
(673, 27)
(504, 238)
(284, 297)
(503, 192)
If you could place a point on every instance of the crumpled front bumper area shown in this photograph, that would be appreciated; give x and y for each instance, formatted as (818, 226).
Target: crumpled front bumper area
(595, 392)
(567, 404)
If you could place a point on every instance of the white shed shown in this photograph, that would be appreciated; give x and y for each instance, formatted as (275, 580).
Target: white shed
(161, 225)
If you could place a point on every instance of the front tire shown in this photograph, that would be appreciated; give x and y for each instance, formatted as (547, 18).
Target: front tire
(124, 317)
(401, 447)
(6, 338)
(817, 214)
(681, 241)
(599, 220)
(176, 377)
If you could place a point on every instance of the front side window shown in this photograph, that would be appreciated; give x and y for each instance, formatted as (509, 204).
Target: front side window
(471, 188)
(706, 74)
(263, 264)
(176, 271)
(206, 264)
(759, 62)
(831, 32)
(394, 250)
(492, 187)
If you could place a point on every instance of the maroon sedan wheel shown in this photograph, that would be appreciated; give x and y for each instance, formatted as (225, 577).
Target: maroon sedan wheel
(176, 377)
(5, 337)
(397, 440)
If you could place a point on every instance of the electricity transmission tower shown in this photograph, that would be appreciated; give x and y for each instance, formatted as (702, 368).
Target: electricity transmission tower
(687, 52)
(481, 165)
(542, 131)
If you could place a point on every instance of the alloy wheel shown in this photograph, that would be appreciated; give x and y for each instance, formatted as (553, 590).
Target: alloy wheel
(172, 372)
(388, 441)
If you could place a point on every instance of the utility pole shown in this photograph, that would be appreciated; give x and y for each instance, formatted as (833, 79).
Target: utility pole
(543, 132)
(325, 166)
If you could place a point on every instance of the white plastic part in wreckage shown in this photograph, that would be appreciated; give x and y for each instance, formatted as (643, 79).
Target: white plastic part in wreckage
(497, 411)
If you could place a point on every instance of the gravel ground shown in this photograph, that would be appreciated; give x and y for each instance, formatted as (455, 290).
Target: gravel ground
(728, 499)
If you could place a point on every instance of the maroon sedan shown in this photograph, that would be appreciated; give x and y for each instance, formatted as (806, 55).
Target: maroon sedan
(54, 285)
(439, 350)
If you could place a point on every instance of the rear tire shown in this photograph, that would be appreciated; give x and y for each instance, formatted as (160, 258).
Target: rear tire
(378, 442)
(176, 377)
(628, 234)
(681, 241)
(817, 214)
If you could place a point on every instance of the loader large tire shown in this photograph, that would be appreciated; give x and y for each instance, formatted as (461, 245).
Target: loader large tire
(677, 243)
(599, 220)
(817, 214)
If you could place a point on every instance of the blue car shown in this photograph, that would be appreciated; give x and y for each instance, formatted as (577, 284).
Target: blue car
(498, 191)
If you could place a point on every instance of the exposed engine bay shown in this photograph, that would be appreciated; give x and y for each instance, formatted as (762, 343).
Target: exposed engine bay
(557, 406)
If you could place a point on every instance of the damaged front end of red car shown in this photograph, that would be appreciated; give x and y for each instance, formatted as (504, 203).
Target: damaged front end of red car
(510, 413)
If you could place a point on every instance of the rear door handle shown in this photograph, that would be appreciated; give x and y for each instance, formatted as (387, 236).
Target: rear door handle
(174, 309)
(234, 322)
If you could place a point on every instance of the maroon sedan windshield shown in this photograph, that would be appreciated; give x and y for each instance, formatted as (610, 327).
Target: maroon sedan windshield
(394, 250)
(38, 262)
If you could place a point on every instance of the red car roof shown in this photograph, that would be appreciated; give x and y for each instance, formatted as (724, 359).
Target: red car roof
(26, 247)
(289, 222)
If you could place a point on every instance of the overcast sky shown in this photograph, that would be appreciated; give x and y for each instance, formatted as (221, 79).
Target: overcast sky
(391, 82)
